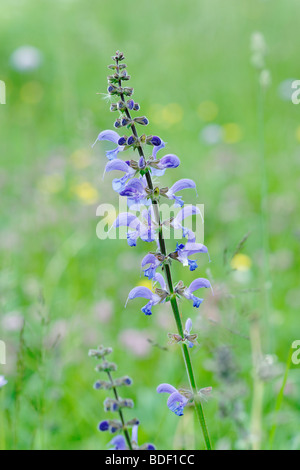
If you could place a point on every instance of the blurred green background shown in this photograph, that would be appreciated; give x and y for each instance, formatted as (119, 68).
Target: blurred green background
(63, 290)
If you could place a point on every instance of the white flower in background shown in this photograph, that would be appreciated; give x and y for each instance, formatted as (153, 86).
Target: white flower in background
(26, 58)
(212, 134)
(259, 50)
(2, 381)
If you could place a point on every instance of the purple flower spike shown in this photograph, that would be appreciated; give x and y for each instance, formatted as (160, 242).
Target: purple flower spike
(179, 186)
(176, 402)
(114, 137)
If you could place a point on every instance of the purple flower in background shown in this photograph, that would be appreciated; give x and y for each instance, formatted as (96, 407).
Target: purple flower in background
(3, 382)
(179, 186)
(187, 292)
(118, 184)
(146, 293)
(176, 402)
(111, 136)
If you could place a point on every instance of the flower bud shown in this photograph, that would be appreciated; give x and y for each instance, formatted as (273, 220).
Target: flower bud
(100, 352)
(122, 140)
(141, 120)
(103, 426)
(127, 91)
(120, 105)
(142, 163)
(130, 104)
(131, 140)
(153, 140)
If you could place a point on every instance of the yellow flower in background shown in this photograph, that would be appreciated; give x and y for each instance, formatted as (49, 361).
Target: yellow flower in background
(86, 193)
(241, 262)
(81, 158)
(166, 116)
(51, 183)
(208, 111)
(146, 283)
(232, 133)
(31, 92)
(298, 133)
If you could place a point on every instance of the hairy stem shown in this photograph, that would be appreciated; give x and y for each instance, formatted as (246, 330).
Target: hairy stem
(174, 304)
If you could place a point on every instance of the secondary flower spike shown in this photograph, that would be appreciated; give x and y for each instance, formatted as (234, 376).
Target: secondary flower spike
(119, 443)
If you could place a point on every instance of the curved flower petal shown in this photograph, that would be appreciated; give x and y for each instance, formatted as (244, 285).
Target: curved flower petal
(180, 185)
(168, 161)
(117, 164)
(157, 148)
(176, 403)
(166, 388)
(126, 219)
(153, 262)
(198, 284)
(140, 291)
(193, 248)
(188, 326)
(135, 189)
(134, 433)
(148, 259)
(111, 136)
(159, 278)
(185, 212)
(118, 443)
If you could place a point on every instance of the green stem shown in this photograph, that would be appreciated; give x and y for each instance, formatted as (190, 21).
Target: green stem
(280, 399)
